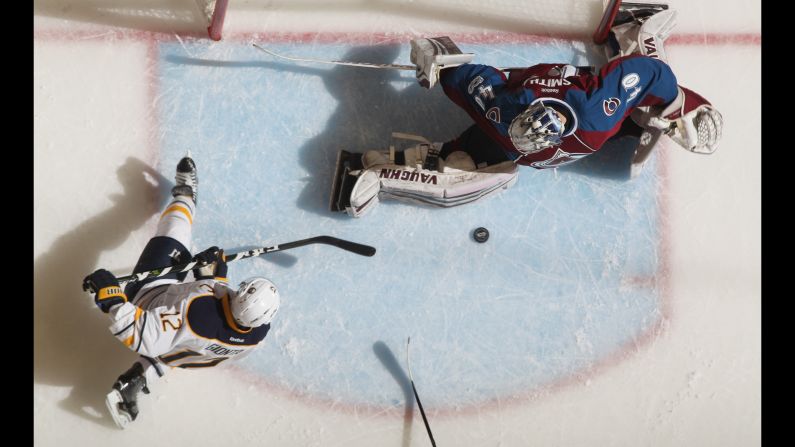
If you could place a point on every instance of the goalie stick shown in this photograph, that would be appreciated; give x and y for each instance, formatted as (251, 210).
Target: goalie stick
(417, 396)
(350, 64)
(353, 247)
(355, 64)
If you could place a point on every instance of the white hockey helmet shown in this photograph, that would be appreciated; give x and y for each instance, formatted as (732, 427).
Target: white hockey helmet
(255, 303)
(540, 126)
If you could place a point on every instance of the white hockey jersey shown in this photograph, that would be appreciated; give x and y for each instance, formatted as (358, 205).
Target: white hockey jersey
(185, 325)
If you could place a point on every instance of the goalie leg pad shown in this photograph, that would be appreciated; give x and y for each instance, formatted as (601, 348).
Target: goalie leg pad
(445, 189)
(362, 179)
(364, 195)
(646, 38)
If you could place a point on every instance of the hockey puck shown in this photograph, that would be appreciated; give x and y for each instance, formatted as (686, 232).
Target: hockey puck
(481, 234)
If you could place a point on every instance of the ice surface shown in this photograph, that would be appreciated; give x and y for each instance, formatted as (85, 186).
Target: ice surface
(601, 310)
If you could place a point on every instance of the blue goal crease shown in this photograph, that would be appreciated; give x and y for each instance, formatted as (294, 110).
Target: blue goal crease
(550, 294)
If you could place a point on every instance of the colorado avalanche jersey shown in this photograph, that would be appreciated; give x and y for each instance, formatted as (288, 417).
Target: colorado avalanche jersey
(597, 103)
(186, 325)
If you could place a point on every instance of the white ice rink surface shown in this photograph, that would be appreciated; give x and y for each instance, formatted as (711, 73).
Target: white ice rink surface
(114, 85)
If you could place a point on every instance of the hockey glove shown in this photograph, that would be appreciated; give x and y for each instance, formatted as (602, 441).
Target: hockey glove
(691, 121)
(432, 54)
(213, 264)
(106, 289)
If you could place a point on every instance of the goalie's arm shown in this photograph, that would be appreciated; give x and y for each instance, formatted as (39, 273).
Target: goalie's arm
(431, 55)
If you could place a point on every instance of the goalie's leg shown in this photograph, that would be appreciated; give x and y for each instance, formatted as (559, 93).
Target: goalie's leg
(462, 171)
(640, 28)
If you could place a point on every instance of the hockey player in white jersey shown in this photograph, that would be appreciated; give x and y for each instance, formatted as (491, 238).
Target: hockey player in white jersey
(176, 324)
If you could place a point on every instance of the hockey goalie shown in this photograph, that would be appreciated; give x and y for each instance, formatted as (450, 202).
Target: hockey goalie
(544, 116)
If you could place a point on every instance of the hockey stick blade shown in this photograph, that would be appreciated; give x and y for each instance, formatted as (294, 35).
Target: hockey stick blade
(353, 247)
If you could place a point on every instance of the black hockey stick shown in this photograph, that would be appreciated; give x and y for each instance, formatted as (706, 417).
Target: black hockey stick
(417, 396)
(359, 249)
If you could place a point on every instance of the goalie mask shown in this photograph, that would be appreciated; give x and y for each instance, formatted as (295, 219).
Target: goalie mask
(255, 303)
(543, 124)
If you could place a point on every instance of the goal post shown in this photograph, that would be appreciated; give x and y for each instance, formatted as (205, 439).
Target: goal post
(214, 12)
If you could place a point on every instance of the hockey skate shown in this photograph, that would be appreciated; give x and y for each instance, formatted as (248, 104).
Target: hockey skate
(122, 401)
(187, 179)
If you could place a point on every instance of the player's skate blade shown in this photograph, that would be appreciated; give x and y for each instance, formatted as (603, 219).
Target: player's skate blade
(120, 417)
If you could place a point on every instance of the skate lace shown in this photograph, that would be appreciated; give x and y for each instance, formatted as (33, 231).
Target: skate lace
(186, 178)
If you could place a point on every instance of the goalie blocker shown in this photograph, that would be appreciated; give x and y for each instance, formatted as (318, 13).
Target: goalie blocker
(416, 175)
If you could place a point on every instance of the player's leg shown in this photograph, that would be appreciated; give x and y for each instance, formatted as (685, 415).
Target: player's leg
(170, 244)
(438, 174)
(481, 148)
(122, 401)
(641, 28)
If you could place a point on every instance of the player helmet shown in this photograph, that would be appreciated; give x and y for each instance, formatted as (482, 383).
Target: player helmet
(255, 303)
(540, 126)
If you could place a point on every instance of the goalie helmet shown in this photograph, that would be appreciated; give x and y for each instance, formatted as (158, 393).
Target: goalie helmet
(540, 125)
(255, 303)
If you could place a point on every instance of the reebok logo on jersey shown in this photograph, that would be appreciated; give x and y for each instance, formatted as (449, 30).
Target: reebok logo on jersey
(610, 106)
(239, 340)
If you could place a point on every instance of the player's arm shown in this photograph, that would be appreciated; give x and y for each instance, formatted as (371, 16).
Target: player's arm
(212, 265)
(434, 54)
(650, 85)
(149, 332)
(691, 121)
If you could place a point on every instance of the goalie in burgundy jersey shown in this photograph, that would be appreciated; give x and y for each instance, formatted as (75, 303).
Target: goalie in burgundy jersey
(544, 116)
(176, 324)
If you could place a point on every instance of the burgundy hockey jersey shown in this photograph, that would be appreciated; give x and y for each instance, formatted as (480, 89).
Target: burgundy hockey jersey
(595, 104)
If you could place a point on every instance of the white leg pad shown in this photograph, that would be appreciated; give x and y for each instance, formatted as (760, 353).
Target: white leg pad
(648, 38)
(451, 187)
(364, 195)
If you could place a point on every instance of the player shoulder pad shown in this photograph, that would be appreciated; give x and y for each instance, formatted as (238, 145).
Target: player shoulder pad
(207, 319)
(205, 316)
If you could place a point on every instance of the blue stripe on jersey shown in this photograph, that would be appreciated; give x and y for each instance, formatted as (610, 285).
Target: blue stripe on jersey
(154, 364)
(203, 365)
(125, 328)
(141, 333)
(179, 355)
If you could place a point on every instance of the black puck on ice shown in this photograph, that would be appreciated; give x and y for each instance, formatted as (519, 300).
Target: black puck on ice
(481, 234)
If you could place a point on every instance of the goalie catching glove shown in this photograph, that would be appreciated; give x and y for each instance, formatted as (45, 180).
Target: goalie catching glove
(434, 53)
(691, 121)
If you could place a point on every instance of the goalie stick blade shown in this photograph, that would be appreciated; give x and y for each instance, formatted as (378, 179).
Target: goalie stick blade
(343, 181)
(121, 418)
